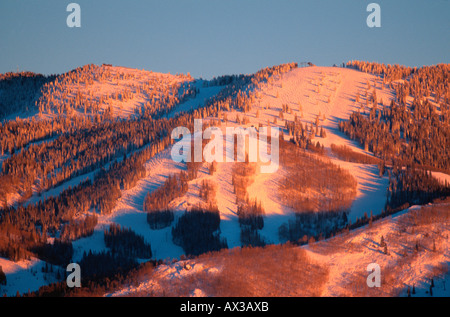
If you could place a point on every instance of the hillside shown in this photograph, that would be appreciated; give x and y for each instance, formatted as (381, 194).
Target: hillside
(116, 91)
(97, 154)
(417, 251)
(370, 193)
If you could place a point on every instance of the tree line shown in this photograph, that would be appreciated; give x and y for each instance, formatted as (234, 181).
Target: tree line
(415, 132)
(19, 91)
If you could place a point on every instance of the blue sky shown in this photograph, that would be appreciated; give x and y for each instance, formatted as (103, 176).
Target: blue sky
(210, 37)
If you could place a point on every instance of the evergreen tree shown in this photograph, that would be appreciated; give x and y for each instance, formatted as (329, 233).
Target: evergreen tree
(2, 277)
(382, 243)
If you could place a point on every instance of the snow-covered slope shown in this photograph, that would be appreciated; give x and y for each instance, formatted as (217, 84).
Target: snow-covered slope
(329, 93)
(26, 275)
(122, 91)
(345, 258)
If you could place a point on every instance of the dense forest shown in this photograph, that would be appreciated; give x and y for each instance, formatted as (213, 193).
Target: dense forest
(198, 231)
(412, 134)
(48, 164)
(345, 153)
(310, 226)
(19, 91)
(16, 134)
(126, 242)
(411, 186)
(319, 192)
(3, 279)
(415, 127)
(313, 183)
(156, 202)
(51, 215)
(98, 266)
(388, 72)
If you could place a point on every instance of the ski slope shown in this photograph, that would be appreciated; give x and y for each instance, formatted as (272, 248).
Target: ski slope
(327, 92)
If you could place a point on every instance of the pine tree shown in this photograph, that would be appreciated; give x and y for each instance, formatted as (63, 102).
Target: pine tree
(2, 277)
(382, 243)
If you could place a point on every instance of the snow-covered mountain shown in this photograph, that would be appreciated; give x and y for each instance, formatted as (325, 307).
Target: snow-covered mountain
(317, 98)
